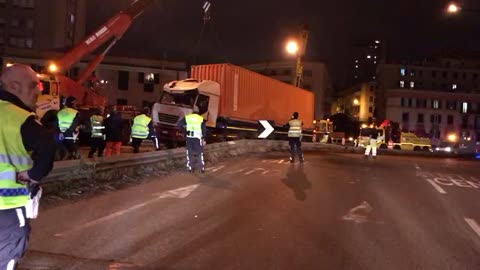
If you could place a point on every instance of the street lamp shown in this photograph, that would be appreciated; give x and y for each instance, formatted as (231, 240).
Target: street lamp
(453, 8)
(297, 47)
(292, 47)
(356, 102)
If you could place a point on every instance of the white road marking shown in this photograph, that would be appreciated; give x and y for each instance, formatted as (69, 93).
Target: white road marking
(176, 193)
(417, 167)
(436, 186)
(216, 168)
(254, 170)
(474, 225)
(359, 213)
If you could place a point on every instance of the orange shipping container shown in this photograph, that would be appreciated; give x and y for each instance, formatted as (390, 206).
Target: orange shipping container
(247, 95)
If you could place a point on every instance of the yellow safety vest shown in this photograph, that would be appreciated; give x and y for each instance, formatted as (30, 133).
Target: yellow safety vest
(194, 125)
(295, 130)
(97, 126)
(14, 157)
(140, 126)
(65, 118)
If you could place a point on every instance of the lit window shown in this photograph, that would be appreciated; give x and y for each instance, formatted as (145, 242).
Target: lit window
(374, 77)
(402, 84)
(377, 41)
(72, 18)
(369, 56)
(436, 104)
(374, 62)
(412, 84)
(376, 47)
(454, 86)
(149, 78)
(356, 61)
(375, 57)
(464, 107)
(29, 43)
(403, 71)
(356, 66)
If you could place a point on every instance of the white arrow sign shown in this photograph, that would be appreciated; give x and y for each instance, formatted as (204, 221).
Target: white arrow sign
(267, 131)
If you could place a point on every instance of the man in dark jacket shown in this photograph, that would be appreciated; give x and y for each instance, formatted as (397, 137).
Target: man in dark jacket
(113, 132)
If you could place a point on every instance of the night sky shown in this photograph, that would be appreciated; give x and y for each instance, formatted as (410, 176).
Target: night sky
(249, 31)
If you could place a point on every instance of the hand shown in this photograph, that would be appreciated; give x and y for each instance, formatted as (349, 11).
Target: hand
(24, 178)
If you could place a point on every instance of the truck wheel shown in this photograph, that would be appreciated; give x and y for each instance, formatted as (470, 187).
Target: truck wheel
(416, 148)
(426, 148)
(383, 146)
(397, 147)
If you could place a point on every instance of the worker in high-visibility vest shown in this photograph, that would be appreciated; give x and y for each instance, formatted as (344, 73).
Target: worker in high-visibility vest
(372, 142)
(295, 138)
(142, 128)
(21, 138)
(195, 131)
(97, 138)
(68, 125)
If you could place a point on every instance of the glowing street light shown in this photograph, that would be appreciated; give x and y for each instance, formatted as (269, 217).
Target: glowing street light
(292, 47)
(53, 68)
(453, 8)
(356, 102)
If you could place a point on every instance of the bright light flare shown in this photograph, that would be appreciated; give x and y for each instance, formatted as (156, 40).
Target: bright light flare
(53, 68)
(292, 47)
(452, 137)
(453, 8)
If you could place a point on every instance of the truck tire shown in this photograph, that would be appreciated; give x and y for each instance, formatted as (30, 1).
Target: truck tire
(397, 147)
(383, 146)
(417, 148)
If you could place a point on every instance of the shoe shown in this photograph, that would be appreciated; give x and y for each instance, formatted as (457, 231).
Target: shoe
(365, 156)
(191, 171)
(202, 171)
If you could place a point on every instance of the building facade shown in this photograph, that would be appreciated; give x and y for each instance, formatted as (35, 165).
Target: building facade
(41, 25)
(124, 81)
(431, 97)
(315, 78)
(357, 101)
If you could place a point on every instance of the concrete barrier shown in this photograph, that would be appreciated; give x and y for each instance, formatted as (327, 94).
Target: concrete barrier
(105, 169)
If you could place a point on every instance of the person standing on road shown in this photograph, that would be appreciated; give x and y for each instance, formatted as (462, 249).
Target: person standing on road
(113, 132)
(195, 130)
(372, 142)
(295, 138)
(142, 128)
(27, 152)
(68, 124)
(97, 140)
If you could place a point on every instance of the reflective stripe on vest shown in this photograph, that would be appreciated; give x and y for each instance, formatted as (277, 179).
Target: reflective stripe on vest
(194, 125)
(97, 126)
(13, 156)
(65, 118)
(140, 126)
(295, 128)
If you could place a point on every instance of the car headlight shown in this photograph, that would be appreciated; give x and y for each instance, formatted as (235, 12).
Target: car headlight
(448, 149)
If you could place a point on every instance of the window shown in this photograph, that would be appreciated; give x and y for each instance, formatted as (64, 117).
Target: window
(451, 105)
(420, 73)
(420, 118)
(444, 75)
(202, 103)
(141, 77)
(464, 121)
(29, 43)
(454, 86)
(455, 75)
(403, 71)
(450, 119)
(464, 76)
(436, 118)
(412, 85)
(146, 103)
(12, 41)
(409, 102)
(464, 107)
(405, 117)
(122, 101)
(436, 104)
(421, 103)
(402, 84)
(412, 72)
(307, 73)
(14, 22)
(474, 76)
(370, 109)
(123, 79)
(434, 73)
(371, 99)
(30, 23)
(148, 87)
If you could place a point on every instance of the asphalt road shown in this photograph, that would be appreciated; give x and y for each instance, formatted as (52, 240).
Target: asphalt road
(336, 211)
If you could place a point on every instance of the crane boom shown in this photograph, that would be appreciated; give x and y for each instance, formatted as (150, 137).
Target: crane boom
(113, 28)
